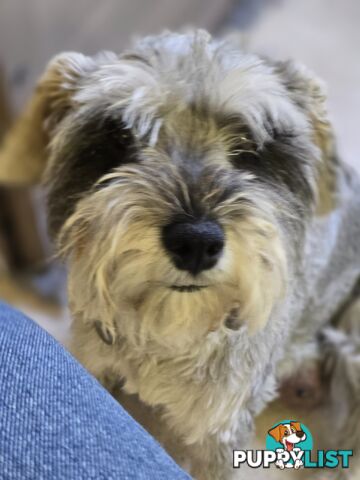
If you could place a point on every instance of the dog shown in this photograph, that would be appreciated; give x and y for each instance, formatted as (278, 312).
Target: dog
(209, 227)
(288, 434)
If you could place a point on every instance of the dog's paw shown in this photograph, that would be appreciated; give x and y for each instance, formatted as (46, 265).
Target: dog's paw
(280, 464)
(298, 464)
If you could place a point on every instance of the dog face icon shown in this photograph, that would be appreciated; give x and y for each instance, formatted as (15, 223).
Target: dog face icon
(288, 434)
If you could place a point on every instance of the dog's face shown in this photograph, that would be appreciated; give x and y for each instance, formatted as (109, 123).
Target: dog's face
(180, 179)
(289, 434)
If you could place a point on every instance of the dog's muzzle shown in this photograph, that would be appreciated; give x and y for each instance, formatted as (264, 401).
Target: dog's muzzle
(194, 246)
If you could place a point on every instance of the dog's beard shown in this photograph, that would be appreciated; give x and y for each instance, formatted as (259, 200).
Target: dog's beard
(121, 275)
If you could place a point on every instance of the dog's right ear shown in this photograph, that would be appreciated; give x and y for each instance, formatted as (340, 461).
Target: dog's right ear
(24, 151)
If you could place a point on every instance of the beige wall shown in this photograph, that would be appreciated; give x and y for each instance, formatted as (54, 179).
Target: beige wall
(31, 31)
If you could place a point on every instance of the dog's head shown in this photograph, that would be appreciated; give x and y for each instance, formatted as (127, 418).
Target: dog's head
(288, 434)
(180, 177)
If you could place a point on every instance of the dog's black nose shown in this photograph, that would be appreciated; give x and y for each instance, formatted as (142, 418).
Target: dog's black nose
(299, 433)
(194, 246)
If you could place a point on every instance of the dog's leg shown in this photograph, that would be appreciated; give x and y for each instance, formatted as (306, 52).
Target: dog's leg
(341, 363)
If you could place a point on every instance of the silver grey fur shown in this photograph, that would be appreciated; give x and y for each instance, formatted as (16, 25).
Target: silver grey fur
(289, 207)
(339, 355)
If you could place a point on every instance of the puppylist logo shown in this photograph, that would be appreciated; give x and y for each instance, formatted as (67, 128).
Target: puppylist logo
(289, 444)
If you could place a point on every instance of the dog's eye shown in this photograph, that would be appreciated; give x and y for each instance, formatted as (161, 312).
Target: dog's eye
(244, 154)
(286, 434)
(242, 157)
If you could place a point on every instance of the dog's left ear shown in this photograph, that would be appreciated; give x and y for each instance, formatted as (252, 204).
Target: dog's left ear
(308, 92)
(24, 151)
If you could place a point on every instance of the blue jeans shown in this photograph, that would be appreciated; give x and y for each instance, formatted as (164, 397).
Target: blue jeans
(56, 420)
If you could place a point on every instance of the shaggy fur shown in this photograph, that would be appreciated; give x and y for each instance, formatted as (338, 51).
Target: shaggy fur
(186, 127)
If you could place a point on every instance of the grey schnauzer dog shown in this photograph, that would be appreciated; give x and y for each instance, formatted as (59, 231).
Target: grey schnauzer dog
(209, 227)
